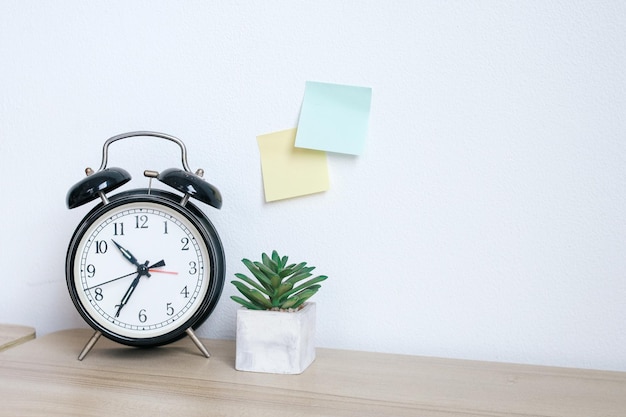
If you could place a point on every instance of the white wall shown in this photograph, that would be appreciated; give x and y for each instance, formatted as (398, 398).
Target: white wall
(485, 219)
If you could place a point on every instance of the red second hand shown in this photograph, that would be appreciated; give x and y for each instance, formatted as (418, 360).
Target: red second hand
(163, 272)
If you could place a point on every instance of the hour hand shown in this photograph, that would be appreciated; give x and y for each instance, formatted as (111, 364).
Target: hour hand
(127, 254)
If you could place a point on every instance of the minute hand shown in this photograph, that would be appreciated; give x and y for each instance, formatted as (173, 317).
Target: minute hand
(129, 292)
(141, 271)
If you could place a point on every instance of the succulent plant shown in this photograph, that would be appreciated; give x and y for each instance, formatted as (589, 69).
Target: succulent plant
(278, 286)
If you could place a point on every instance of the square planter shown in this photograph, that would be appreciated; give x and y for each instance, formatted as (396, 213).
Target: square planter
(275, 342)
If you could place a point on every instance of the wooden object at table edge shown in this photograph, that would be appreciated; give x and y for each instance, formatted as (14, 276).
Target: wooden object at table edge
(12, 335)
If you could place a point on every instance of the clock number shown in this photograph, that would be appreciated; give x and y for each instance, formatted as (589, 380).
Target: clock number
(101, 246)
(193, 268)
(142, 315)
(170, 309)
(141, 222)
(98, 294)
(165, 227)
(185, 242)
(185, 292)
(118, 229)
(91, 270)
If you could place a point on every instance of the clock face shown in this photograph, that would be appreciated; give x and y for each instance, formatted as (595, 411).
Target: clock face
(142, 268)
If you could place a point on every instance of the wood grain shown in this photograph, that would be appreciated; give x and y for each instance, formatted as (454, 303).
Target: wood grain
(43, 377)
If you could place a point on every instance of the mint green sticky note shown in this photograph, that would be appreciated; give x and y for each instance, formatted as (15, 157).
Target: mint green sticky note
(334, 118)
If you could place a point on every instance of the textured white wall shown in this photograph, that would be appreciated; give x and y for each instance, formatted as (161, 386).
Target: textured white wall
(485, 219)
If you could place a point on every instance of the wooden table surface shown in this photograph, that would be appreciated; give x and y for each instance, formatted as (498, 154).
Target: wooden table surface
(44, 377)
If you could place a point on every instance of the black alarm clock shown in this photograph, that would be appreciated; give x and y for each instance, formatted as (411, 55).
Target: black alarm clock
(144, 267)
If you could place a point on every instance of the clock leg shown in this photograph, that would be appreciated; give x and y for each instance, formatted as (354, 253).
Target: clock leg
(92, 341)
(198, 343)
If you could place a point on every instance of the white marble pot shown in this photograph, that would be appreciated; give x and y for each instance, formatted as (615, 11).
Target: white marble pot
(275, 342)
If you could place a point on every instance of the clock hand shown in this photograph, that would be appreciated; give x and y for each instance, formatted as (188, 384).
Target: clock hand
(141, 271)
(127, 254)
(164, 272)
(157, 264)
(126, 297)
(150, 269)
(111, 280)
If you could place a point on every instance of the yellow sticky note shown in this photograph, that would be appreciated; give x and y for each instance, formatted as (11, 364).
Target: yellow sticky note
(289, 171)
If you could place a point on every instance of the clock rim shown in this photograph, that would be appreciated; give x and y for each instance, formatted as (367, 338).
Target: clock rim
(210, 239)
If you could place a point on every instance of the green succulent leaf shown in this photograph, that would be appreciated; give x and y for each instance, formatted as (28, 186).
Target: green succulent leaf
(247, 304)
(277, 260)
(269, 263)
(269, 273)
(302, 274)
(304, 295)
(252, 283)
(275, 282)
(264, 280)
(283, 289)
(292, 269)
(289, 303)
(308, 284)
(274, 278)
(253, 295)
